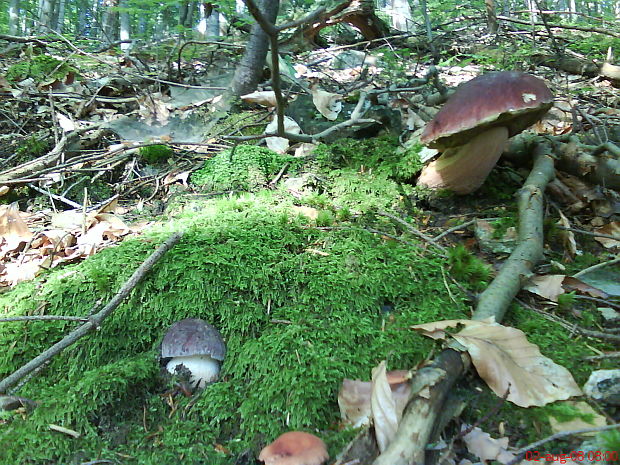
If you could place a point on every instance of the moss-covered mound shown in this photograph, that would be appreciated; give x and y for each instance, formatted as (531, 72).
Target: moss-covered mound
(300, 308)
(246, 167)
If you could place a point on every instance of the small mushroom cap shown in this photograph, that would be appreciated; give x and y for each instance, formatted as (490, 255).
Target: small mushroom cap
(509, 98)
(295, 448)
(193, 336)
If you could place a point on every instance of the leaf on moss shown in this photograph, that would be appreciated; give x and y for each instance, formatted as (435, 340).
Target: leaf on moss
(506, 360)
(383, 407)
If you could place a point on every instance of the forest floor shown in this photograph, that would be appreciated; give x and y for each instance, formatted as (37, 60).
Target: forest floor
(314, 264)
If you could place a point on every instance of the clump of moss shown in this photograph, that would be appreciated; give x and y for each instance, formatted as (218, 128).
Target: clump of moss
(155, 154)
(246, 167)
(380, 154)
(295, 323)
(32, 147)
(466, 267)
(40, 68)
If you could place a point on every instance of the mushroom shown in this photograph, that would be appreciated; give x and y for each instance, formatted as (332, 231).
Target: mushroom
(197, 346)
(472, 128)
(295, 448)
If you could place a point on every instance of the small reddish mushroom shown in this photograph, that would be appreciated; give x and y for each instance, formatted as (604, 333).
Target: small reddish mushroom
(473, 126)
(295, 448)
(195, 345)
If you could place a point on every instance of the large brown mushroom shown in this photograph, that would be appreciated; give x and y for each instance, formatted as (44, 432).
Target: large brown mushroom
(195, 345)
(295, 448)
(473, 126)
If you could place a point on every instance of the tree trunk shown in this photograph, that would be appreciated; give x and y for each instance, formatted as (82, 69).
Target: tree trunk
(401, 15)
(213, 25)
(125, 26)
(59, 19)
(14, 17)
(45, 16)
(110, 21)
(491, 16)
(250, 69)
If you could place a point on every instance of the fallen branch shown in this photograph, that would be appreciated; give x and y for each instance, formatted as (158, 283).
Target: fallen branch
(421, 419)
(95, 320)
(497, 297)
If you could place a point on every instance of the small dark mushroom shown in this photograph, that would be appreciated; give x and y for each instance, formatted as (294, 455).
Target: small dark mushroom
(194, 345)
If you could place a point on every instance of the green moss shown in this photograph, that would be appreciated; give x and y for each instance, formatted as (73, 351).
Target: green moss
(295, 323)
(31, 147)
(466, 267)
(246, 167)
(155, 154)
(40, 68)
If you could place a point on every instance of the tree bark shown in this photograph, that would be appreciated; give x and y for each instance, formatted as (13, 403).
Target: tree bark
(250, 68)
(491, 16)
(14, 17)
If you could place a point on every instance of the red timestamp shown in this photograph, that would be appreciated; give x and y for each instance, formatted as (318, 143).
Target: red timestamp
(576, 455)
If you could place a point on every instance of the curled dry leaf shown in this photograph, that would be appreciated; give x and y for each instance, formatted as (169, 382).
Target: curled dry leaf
(383, 408)
(13, 229)
(354, 397)
(610, 229)
(435, 330)
(568, 237)
(266, 98)
(552, 286)
(328, 104)
(485, 447)
(280, 144)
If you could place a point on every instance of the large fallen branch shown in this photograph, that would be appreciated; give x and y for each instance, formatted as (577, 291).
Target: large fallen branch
(95, 320)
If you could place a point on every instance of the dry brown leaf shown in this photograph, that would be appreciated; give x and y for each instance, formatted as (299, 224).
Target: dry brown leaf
(547, 286)
(280, 144)
(266, 98)
(383, 408)
(15, 273)
(309, 212)
(506, 360)
(175, 176)
(485, 447)
(328, 104)
(571, 283)
(305, 149)
(610, 229)
(354, 397)
(13, 229)
(568, 237)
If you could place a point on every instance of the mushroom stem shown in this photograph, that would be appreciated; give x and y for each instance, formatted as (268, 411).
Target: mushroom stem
(463, 169)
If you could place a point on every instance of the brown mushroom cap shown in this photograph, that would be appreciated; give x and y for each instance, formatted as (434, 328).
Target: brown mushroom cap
(501, 99)
(193, 336)
(295, 448)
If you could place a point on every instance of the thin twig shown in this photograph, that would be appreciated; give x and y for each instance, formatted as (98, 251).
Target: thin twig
(43, 318)
(414, 231)
(95, 320)
(597, 266)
